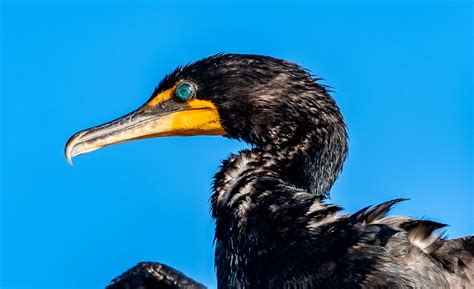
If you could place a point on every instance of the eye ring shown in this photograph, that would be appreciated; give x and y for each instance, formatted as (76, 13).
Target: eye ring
(185, 91)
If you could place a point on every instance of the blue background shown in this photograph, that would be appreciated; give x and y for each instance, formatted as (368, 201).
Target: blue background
(402, 75)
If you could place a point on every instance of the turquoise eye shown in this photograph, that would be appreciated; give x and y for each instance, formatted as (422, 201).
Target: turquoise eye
(184, 91)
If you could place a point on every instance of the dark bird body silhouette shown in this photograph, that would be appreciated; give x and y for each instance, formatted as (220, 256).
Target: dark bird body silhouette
(274, 228)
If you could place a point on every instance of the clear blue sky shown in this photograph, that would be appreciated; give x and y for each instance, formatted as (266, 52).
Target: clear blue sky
(402, 75)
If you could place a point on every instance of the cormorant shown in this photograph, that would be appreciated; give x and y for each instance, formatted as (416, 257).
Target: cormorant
(274, 227)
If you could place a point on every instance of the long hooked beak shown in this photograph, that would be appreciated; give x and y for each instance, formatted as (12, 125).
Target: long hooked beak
(160, 116)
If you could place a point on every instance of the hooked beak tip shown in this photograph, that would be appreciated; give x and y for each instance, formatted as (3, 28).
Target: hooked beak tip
(69, 160)
(69, 150)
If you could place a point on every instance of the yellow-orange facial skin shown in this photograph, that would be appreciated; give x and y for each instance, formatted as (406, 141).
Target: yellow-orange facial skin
(199, 118)
(193, 117)
(161, 97)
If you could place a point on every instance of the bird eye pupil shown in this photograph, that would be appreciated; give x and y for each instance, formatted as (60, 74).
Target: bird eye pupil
(184, 91)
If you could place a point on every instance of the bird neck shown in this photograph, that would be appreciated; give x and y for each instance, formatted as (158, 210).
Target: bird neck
(311, 162)
(261, 197)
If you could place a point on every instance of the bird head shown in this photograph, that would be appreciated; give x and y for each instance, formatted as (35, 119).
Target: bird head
(262, 100)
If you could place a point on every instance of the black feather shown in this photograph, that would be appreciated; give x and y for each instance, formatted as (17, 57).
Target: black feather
(372, 213)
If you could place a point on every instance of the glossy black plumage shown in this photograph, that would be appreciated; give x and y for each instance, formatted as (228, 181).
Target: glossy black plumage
(274, 228)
